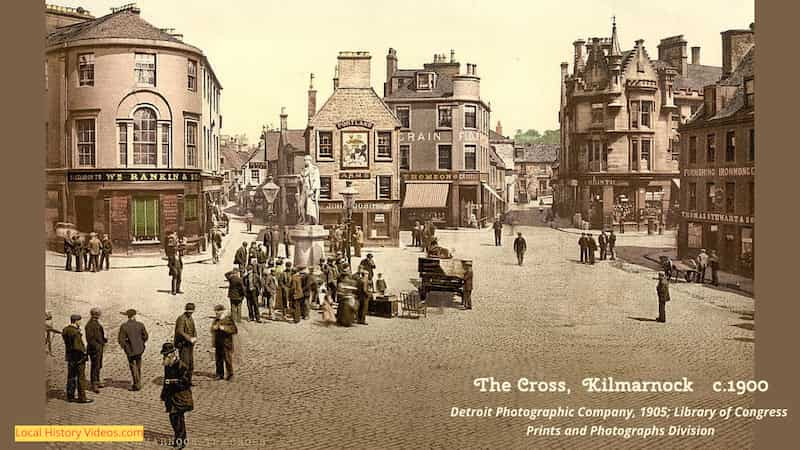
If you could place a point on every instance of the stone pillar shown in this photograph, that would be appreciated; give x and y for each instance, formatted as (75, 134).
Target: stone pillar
(608, 205)
(309, 244)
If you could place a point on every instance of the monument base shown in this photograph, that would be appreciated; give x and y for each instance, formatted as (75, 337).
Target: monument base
(309, 244)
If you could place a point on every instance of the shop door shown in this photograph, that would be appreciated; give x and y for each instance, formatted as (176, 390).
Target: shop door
(711, 242)
(84, 213)
(728, 256)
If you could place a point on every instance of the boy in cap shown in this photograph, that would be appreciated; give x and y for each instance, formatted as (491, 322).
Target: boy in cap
(75, 355)
(132, 338)
(222, 330)
(185, 337)
(176, 392)
(95, 344)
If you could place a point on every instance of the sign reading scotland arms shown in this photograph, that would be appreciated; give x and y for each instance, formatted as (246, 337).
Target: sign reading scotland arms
(140, 176)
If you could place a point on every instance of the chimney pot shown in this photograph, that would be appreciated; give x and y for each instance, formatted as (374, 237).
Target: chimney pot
(696, 55)
(452, 56)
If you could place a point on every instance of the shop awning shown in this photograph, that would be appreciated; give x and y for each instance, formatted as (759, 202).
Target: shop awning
(492, 191)
(677, 182)
(426, 195)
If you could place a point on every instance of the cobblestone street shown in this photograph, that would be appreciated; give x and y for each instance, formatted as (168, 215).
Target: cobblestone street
(392, 384)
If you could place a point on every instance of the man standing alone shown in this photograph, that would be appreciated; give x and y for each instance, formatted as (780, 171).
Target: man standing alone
(663, 297)
(584, 248)
(520, 247)
(96, 341)
(467, 298)
(498, 230)
(132, 338)
(175, 264)
(185, 338)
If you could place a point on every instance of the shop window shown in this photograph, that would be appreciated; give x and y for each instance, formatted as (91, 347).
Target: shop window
(445, 157)
(623, 205)
(144, 219)
(692, 149)
(384, 145)
(730, 146)
(191, 75)
(384, 187)
(747, 247)
(405, 156)
(470, 157)
(646, 155)
(653, 198)
(470, 116)
(325, 188)
(694, 232)
(711, 148)
(145, 68)
(404, 115)
(325, 146)
(144, 137)
(165, 144)
(86, 69)
(123, 144)
(752, 150)
(445, 117)
(86, 134)
(730, 197)
(191, 143)
(380, 225)
(190, 207)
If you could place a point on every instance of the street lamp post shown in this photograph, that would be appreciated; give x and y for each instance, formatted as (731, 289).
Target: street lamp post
(349, 195)
(270, 191)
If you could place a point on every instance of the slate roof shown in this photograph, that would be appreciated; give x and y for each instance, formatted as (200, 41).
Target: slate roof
(273, 140)
(443, 88)
(539, 153)
(505, 150)
(736, 104)
(234, 159)
(697, 77)
(495, 159)
(296, 139)
(122, 24)
(351, 102)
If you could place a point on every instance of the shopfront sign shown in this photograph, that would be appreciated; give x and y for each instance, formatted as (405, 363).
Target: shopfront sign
(354, 123)
(420, 137)
(442, 176)
(354, 175)
(595, 181)
(720, 172)
(258, 165)
(716, 217)
(145, 176)
(359, 205)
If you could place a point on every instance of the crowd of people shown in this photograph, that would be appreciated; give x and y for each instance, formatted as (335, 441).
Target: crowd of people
(89, 252)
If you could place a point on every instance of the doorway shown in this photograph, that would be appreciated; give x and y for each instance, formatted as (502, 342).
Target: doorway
(84, 213)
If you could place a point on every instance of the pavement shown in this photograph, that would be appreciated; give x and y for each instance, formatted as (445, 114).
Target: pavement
(393, 383)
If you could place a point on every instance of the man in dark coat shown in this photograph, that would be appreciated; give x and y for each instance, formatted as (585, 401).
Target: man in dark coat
(105, 255)
(286, 241)
(331, 279)
(584, 248)
(713, 264)
(222, 330)
(498, 230)
(612, 242)
(186, 337)
(132, 338)
(591, 247)
(520, 247)
(267, 242)
(467, 297)
(216, 244)
(236, 293)
(68, 251)
(75, 356)
(275, 239)
(368, 265)
(240, 259)
(175, 264)
(176, 392)
(662, 289)
(252, 287)
(95, 345)
(77, 250)
(363, 294)
(297, 295)
(602, 241)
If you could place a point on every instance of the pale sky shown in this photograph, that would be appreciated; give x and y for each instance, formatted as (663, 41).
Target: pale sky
(264, 50)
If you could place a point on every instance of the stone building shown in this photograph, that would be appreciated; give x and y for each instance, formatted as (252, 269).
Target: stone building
(503, 146)
(533, 165)
(232, 161)
(619, 116)
(718, 163)
(132, 132)
(353, 138)
(444, 141)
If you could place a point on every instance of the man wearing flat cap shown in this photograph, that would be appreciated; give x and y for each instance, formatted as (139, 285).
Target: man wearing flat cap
(75, 355)
(132, 337)
(186, 337)
(236, 293)
(176, 392)
(222, 330)
(467, 297)
(95, 344)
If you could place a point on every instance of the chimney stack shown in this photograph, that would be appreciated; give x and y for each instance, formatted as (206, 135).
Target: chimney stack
(354, 70)
(312, 98)
(336, 77)
(499, 128)
(391, 68)
(696, 55)
(577, 67)
(284, 119)
(564, 71)
(452, 56)
(735, 45)
(673, 51)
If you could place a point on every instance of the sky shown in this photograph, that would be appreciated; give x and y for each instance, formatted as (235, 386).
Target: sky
(264, 50)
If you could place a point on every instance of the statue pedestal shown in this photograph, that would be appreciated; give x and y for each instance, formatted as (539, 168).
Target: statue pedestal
(309, 244)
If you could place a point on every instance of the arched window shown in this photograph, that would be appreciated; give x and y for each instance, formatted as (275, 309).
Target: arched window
(145, 151)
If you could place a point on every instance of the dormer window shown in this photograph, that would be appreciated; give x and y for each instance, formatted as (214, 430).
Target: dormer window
(426, 81)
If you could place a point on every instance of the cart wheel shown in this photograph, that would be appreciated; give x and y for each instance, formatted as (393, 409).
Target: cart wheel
(688, 277)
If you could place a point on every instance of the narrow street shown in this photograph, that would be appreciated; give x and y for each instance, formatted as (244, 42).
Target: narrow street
(551, 319)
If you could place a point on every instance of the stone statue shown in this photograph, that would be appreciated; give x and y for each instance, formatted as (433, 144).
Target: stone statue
(309, 193)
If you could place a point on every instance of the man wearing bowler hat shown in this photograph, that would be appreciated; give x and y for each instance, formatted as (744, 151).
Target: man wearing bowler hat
(186, 337)
(132, 337)
(75, 355)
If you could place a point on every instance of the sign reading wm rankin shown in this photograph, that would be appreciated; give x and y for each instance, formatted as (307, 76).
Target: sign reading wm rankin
(132, 176)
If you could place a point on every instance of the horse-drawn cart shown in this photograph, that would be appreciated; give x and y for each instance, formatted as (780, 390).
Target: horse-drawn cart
(675, 268)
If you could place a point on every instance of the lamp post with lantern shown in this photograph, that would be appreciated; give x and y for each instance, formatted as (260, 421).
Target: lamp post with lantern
(349, 194)
(270, 192)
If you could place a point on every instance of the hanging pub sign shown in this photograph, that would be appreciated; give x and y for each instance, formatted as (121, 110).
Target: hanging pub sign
(354, 123)
(94, 176)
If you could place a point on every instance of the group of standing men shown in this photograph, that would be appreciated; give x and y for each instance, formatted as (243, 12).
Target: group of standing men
(423, 234)
(606, 243)
(89, 252)
(338, 239)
